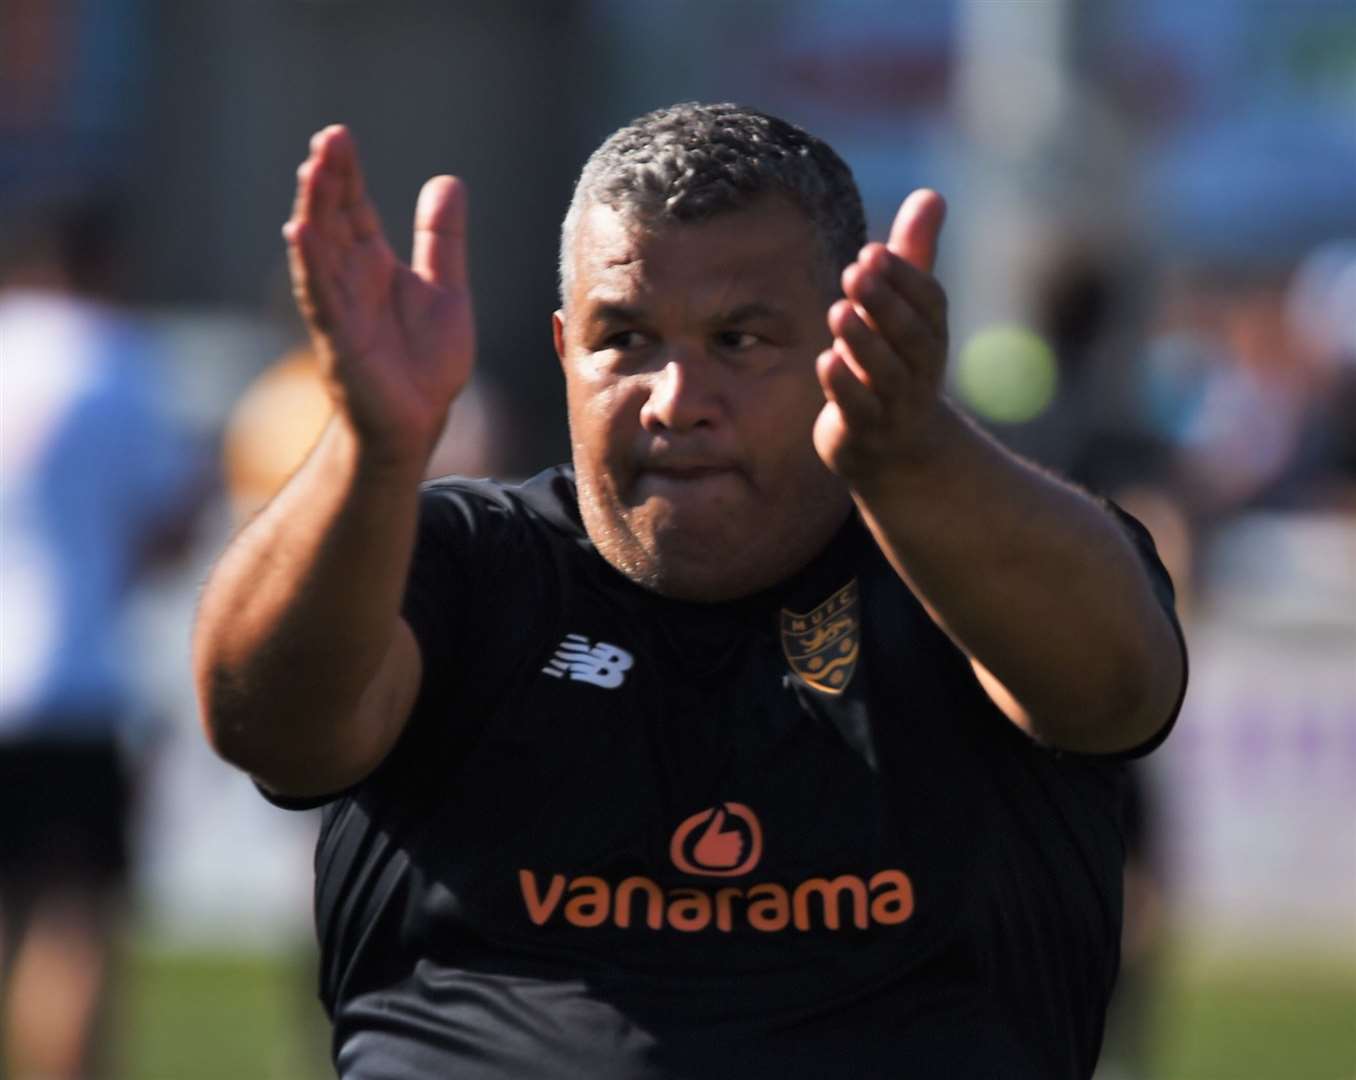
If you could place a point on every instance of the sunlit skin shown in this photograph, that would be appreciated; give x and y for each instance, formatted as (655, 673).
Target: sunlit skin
(689, 358)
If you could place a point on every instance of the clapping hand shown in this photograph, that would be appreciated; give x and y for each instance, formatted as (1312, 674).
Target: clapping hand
(883, 375)
(395, 342)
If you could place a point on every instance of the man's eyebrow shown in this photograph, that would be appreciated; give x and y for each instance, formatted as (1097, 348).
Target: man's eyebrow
(609, 312)
(612, 313)
(749, 312)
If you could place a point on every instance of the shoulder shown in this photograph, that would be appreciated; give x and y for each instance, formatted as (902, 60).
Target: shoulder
(488, 546)
(545, 502)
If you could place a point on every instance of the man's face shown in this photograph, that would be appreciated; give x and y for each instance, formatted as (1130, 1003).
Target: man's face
(689, 359)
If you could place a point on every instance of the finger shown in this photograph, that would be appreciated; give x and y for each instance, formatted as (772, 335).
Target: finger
(873, 360)
(302, 200)
(331, 221)
(296, 267)
(917, 228)
(923, 292)
(353, 201)
(859, 406)
(319, 187)
(333, 157)
(304, 197)
(313, 279)
(909, 335)
(440, 233)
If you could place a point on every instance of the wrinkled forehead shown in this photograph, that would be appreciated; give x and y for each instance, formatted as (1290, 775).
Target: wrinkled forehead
(758, 252)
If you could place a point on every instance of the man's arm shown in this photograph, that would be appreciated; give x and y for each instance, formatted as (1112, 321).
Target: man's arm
(305, 671)
(1036, 582)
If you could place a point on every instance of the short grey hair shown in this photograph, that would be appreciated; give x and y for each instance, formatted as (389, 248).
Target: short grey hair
(691, 162)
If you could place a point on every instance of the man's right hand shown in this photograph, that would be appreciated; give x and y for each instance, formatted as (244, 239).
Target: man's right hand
(305, 670)
(396, 343)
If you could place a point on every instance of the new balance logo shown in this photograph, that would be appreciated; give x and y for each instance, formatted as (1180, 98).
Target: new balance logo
(602, 664)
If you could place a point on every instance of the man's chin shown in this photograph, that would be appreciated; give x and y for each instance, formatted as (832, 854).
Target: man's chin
(703, 565)
(700, 549)
(676, 559)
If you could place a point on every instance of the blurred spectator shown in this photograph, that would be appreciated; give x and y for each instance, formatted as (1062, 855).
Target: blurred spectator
(282, 413)
(1247, 397)
(1089, 302)
(95, 486)
(1320, 310)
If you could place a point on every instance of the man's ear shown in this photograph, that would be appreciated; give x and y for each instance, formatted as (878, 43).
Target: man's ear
(558, 333)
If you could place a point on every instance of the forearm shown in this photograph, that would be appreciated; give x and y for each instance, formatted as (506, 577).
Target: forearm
(301, 611)
(1037, 583)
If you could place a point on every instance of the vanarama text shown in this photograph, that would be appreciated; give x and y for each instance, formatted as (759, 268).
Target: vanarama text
(886, 899)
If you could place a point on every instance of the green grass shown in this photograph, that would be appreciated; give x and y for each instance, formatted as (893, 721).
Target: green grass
(219, 1016)
(1259, 1019)
(228, 1016)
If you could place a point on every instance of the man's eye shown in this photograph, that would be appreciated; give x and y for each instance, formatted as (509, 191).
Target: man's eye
(625, 339)
(736, 340)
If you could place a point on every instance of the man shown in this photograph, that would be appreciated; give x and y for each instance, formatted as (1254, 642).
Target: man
(777, 737)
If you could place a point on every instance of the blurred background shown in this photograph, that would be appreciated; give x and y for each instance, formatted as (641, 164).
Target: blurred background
(1151, 257)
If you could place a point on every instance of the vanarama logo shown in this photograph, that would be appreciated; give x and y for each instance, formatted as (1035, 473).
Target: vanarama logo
(720, 841)
(724, 841)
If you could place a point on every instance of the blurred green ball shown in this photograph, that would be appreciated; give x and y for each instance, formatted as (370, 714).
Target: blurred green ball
(1007, 374)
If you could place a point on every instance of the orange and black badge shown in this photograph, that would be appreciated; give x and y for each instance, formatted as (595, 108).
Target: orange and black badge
(822, 645)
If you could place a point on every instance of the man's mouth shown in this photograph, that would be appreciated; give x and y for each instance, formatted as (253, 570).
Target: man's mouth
(686, 472)
(684, 477)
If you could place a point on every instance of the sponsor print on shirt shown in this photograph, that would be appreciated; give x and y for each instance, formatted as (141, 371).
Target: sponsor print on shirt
(822, 645)
(602, 664)
(724, 841)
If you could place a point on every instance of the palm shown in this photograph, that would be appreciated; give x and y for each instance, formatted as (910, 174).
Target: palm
(396, 342)
(403, 347)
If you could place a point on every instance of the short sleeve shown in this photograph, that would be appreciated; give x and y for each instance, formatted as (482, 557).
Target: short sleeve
(1161, 583)
(464, 545)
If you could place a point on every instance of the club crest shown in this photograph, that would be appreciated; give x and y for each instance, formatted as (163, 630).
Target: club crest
(822, 645)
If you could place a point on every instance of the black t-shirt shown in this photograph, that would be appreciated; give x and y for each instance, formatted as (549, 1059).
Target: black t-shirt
(626, 836)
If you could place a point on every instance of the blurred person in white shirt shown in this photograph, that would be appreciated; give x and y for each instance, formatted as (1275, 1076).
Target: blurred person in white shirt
(96, 484)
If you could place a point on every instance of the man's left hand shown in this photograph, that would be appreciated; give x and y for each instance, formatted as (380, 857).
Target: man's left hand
(883, 375)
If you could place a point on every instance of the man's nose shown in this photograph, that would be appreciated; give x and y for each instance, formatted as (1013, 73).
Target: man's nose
(682, 396)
